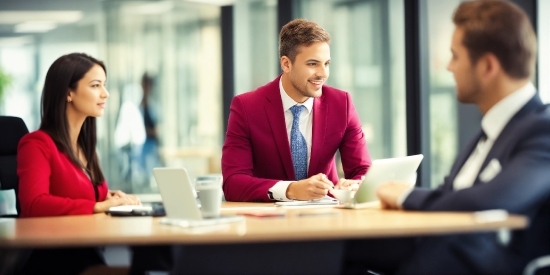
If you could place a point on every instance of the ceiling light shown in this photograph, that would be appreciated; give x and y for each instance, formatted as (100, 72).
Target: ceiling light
(215, 2)
(148, 8)
(16, 17)
(35, 26)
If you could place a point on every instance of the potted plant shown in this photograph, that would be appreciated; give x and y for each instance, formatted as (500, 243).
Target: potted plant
(5, 81)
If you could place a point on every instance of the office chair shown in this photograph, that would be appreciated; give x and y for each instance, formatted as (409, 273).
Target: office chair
(12, 129)
(536, 264)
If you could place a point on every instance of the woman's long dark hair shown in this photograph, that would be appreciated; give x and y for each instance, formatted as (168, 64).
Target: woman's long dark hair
(63, 75)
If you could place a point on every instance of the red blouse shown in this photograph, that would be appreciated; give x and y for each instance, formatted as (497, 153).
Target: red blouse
(49, 183)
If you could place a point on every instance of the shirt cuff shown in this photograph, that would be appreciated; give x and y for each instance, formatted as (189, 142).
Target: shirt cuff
(403, 197)
(278, 191)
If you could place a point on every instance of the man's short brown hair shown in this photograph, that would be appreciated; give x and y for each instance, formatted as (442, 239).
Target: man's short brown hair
(501, 28)
(300, 32)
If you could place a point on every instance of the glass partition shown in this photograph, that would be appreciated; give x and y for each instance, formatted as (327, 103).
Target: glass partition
(256, 43)
(442, 97)
(368, 61)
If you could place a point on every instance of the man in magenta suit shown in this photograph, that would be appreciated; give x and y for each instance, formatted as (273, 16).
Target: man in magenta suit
(264, 156)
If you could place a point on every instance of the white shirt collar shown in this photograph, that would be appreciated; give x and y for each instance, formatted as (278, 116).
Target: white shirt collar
(289, 102)
(500, 114)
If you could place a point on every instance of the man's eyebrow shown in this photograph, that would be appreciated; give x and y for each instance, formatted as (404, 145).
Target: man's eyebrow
(315, 60)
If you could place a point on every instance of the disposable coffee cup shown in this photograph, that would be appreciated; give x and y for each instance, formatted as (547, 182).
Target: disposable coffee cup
(210, 196)
(7, 202)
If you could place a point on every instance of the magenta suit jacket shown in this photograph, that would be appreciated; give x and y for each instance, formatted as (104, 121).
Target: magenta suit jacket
(256, 153)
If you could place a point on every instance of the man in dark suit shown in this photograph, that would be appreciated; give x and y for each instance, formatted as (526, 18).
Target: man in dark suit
(507, 166)
(282, 137)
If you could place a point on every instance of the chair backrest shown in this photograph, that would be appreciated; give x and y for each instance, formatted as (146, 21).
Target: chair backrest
(12, 129)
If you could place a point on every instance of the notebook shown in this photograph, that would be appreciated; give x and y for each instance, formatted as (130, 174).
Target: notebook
(384, 170)
(178, 197)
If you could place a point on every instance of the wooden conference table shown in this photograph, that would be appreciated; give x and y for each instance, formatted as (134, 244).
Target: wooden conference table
(302, 240)
(298, 224)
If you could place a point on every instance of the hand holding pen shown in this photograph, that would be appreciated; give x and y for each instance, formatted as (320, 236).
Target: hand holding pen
(312, 188)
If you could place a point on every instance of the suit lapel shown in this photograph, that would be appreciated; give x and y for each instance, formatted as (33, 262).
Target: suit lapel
(508, 132)
(275, 116)
(320, 111)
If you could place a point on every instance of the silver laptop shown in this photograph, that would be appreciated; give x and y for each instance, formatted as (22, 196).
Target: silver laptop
(384, 170)
(178, 197)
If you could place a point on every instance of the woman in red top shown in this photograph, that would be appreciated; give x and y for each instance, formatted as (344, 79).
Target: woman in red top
(58, 168)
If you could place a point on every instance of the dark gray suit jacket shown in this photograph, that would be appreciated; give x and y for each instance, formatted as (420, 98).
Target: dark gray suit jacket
(521, 187)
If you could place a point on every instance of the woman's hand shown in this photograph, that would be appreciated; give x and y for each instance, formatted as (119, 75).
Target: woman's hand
(115, 198)
(120, 194)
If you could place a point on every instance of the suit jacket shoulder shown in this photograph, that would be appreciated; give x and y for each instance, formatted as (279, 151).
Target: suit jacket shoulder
(270, 90)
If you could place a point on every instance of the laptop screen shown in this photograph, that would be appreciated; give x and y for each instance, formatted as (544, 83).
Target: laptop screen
(177, 193)
(384, 170)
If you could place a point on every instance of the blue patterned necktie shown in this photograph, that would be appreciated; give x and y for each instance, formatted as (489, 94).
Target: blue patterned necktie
(298, 145)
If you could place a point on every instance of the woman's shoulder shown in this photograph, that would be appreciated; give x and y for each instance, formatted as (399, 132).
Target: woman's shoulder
(38, 137)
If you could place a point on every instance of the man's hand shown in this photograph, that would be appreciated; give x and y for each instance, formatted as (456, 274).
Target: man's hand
(388, 193)
(313, 188)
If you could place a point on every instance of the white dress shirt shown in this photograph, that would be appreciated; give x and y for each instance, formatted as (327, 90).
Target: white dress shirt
(492, 124)
(306, 121)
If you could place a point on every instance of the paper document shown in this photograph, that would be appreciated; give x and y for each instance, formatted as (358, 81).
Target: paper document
(324, 201)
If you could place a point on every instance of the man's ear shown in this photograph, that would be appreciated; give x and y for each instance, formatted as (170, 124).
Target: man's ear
(488, 66)
(286, 64)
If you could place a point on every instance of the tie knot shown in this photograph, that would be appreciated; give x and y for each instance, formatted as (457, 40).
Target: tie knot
(483, 136)
(296, 110)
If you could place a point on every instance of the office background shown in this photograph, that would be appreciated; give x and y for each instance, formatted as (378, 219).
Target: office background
(391, 55)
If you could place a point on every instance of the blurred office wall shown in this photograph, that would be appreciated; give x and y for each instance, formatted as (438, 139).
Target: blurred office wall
(255, 43)
(368, 61)
(177, 43)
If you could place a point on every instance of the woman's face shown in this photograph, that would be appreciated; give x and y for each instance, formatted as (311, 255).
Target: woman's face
(90, 95)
